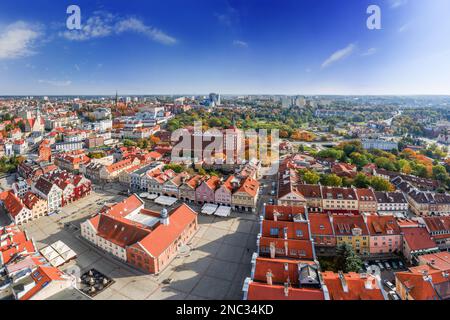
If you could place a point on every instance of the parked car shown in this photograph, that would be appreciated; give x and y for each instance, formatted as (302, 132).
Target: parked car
(387, 265)
(380, 265)
(401, 265)
(272, 193)
(393, 295)
(389, 284)
(394, 265)
(366, 265)
(271, 201)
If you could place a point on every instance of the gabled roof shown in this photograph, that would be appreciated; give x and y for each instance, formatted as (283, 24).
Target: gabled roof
(382, 225)
(120, 231)
(262, 291)
(358, 287)
(343, 225)
(30, 200)
(44, 185)
(365, 194)
(12, 203)
(249, 186)
(284, 213)
(164, 235)
(320, 224)
(42, 276)
(124, 207)
(418, 238)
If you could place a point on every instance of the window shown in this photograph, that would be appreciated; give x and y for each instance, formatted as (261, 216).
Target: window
(274, 231)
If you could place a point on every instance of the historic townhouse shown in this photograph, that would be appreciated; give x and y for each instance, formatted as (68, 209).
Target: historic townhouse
(224, 193)
(187, 189)
(391, 203)
(385, 235)
(172, 186)
(37, 205)
(352, 230)
(145, 239)
(157, 178)
(367, 202)
(323, 234)
(313, 196)
(416, 242)
(111, 172)
(48, 191)
(341, 199)
(14, 207)
(439, 230)
(206, 190)
(246, 196)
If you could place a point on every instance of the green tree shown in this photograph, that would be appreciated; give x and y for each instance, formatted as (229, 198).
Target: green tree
(129, 143)
(346, 259)
(440, 173)
(331, 180)
(358, 159)
(380, 184)
(310, 177)
(361, 181)
(175, 167)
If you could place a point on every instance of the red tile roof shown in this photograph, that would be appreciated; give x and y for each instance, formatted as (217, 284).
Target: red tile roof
(262, 291)
(320, 224)
(12, 203)
(42, 276)
(382, 225)
(164, 235)
(359, 288)
(418, 238)
(343, 225)
(249, 186)
(284, 213)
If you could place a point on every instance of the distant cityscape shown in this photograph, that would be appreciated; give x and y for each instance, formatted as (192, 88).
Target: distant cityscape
(237, 152)
(358, 208)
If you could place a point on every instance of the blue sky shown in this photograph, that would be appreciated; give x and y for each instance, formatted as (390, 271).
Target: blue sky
(227, 46)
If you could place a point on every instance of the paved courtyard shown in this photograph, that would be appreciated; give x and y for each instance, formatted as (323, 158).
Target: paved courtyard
(214, 268)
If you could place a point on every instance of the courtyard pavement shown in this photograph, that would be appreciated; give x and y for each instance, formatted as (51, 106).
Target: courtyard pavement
(214, 268)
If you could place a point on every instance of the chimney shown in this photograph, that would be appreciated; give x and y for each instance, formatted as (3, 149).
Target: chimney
(164, 217)
(343, 282)
(275, 215)
(286, 249)
(272, 250)
(368, 283)
(286, 289)
(269, 277)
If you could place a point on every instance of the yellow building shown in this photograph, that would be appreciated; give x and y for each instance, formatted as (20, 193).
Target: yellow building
(352, 230)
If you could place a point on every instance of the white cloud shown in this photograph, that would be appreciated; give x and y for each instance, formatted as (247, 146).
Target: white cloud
(56, 83)
(240, 43)
(228, 18)
(370, 52)
(105, 24)
(17, 40)
(339, 55)
(397, 3)
(133, 24)
(404, 28)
